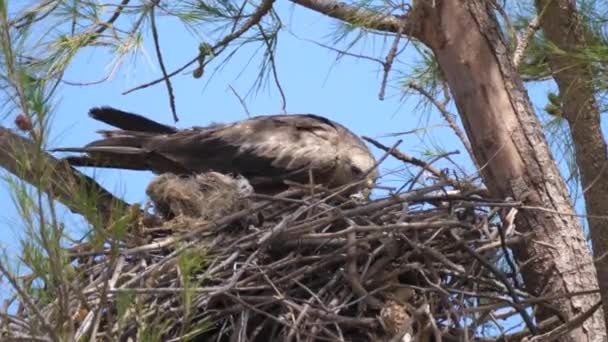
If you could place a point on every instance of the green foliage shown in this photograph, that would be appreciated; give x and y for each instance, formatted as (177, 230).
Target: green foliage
(124, 303)
(425, 73)
(190, 262)
(152, 331)
(554, 106)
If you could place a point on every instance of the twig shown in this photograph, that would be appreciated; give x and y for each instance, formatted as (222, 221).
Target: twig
(503, 233)
(516, 301)
(387, 153)
(405, 226)
(343, 52)
(254, 18)
(408, 159)
(448, 117)
(414, 180)
(241, 100)
(572, 324)
(510, 28)
(111, 276)
(113, 18)
(273, 68)
(524, 39)
(353, 274)
(159, 55)
(388, 63)
(28, 302)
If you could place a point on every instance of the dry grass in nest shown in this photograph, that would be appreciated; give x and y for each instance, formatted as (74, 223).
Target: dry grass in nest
(418, 266)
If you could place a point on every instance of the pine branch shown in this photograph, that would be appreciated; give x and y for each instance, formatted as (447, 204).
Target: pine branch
(358, 15)
(65, 182)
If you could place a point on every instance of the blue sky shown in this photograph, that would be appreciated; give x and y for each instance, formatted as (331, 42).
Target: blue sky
(345, 91)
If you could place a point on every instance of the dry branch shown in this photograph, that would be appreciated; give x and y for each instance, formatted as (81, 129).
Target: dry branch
(354, 14)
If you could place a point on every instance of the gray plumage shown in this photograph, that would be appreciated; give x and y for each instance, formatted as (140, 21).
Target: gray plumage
(208, 195)
(267, 150)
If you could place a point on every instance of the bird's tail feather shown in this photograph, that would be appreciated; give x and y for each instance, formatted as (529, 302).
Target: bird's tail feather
(129, 121)
(115, 144)
(108, 154)
(112, 163)
(119, 141)
(122, 133)
(102, 149)
(123, 157)
(124, 148)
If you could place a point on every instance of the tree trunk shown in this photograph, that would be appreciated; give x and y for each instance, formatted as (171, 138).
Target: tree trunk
(508, 142)
(507, 138)
(564, 27)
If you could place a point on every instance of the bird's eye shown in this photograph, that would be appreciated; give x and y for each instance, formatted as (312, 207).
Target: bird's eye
(356, 171)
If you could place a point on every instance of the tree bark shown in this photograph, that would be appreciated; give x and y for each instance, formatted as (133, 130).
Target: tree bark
(508, 142)
(564, 27)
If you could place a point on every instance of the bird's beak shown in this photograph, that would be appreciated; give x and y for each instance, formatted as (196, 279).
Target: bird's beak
(367, 188)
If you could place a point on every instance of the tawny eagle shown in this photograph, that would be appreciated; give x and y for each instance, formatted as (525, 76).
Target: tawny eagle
(267, 150)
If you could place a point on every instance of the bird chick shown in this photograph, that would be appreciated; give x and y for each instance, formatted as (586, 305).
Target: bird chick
(208, 196)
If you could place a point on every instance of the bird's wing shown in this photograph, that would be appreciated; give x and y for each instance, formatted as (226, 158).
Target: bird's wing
(265, 146)
(264, 149)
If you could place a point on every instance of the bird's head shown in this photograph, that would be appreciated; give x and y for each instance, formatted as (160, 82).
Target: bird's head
(361, 163)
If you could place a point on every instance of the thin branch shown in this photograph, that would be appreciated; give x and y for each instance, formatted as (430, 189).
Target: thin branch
(241, 100)
(113, 18)
(502, 230)
(426, 166)
(163, 69)
(517, 305)
(524, 39)
(342, 52)
(388, 64)
(449, 117)
(572, 324)
(407, 158)
(27, 17)
(352, 273)
(363, 17)
(28, 302)
(254, 19)
(507, 19)
(273, 67)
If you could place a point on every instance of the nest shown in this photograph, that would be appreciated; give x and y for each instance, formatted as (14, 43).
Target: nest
(217, 263)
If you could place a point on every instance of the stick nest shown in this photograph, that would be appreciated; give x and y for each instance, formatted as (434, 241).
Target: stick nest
(212, 262)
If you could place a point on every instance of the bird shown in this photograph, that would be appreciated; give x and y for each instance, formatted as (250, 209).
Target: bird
(208, 195)
(270, 151)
